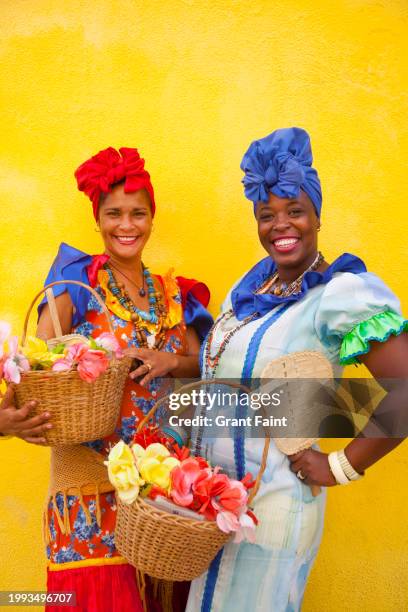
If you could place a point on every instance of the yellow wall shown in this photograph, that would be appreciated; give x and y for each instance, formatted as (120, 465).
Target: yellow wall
(192, 83)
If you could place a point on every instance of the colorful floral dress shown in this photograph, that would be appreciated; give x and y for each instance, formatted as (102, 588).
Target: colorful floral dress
(75, 557)
(337, 313)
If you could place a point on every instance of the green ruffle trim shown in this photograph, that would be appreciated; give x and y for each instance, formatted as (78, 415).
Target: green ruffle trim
(379, 328)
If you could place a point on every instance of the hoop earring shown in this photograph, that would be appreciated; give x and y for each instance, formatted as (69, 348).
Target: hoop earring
(96, 229)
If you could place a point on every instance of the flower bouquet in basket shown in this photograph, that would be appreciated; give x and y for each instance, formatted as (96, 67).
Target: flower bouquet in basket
(175, 510)
(78, 380)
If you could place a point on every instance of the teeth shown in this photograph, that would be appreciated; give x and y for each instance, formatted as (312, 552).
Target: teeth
(126, 238)
(285, 241)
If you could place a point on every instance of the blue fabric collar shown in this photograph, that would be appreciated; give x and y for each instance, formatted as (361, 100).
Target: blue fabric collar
(245, 301)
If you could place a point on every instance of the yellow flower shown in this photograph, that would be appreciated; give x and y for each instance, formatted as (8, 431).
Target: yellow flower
(38, 354)
(155, 464)
(123, 473)
(155, 450)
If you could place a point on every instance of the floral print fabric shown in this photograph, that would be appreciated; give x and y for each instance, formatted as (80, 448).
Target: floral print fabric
(86, 542)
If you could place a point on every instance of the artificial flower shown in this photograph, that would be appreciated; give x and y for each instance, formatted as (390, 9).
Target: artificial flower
(227, 521)
(246, 530)
(208, 486)
(155, 450)
(37, 353)
(149, 435)
(155, 463)
(181, 452)
(123, 473)
(90, 363)
(232, 498)
(5, 330)
(244, 526)
(15, 363)
(182, 479)
(109, 343)
(157, 472)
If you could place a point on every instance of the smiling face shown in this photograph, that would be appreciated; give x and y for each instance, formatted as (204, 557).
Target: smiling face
(287, 229)
(125, 221)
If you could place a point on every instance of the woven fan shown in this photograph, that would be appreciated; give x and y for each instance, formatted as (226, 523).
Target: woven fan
(298, 398)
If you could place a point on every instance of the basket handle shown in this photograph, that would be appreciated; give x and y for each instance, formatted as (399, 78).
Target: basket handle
(54, 314)
(212, 381)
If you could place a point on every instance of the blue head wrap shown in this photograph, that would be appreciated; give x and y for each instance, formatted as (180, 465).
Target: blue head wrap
(281, 163)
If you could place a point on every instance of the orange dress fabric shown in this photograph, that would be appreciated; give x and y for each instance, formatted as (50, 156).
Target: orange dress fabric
(93, 545)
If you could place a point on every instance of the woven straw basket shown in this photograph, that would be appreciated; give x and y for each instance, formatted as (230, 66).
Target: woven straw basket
(80, 411)
(168, 546)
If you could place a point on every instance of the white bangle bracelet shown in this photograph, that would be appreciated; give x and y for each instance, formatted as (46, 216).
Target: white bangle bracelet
(346, 466)
(337, 470)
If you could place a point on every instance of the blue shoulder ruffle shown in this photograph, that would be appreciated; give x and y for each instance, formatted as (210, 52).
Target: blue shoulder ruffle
(245, 301)
(70, 264)
(197, 316)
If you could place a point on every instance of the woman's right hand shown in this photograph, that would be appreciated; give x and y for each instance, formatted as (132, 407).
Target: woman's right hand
(16, 422)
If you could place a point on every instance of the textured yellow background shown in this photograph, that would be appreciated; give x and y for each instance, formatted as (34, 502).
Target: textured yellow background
(192, 83)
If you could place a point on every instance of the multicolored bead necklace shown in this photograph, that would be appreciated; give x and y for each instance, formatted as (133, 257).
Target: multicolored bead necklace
(118, 290)
(211, 362)
(142, 291)
(138, 316)
(280, 288)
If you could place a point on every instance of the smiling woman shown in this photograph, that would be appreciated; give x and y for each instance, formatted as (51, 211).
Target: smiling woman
(292, 301)
(160, 321)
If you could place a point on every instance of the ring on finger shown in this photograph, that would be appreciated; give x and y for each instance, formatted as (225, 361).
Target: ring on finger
(148, 366)
(300, 475)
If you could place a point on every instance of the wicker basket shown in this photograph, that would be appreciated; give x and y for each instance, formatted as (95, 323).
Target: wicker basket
(168, 546)
(80, 411)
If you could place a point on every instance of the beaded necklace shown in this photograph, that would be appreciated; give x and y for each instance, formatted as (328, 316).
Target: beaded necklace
(281, 289)
(138, 316)
(211, 362)
(142, 291)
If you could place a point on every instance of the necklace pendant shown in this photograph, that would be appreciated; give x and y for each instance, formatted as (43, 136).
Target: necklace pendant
(151, 339)
(142, 292)
(277, 291)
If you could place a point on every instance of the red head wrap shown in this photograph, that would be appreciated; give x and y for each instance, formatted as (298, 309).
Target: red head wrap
(108, 167)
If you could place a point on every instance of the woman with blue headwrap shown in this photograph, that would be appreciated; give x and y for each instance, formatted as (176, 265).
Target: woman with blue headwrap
(292, 300)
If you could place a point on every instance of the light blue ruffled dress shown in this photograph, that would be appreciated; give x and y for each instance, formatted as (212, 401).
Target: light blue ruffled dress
(337, 313)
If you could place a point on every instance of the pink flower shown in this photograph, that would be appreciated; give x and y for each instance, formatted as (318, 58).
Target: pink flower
(15, 363)
(246, 530)
(5, 329)
(227, 522)
(243, 526)
(74, 354)
(90, 363)
(182, 479)
(109, 343)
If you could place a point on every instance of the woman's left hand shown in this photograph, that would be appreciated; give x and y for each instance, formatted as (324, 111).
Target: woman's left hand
(314, 466)
(155, 363)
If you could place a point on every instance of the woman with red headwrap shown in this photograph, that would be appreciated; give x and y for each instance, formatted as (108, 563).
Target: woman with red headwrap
(160, 320)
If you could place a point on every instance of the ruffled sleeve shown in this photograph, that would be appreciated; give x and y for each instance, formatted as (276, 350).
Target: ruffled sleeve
(355, 309)
(195, 297)
(378, 328)
(72, 264)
